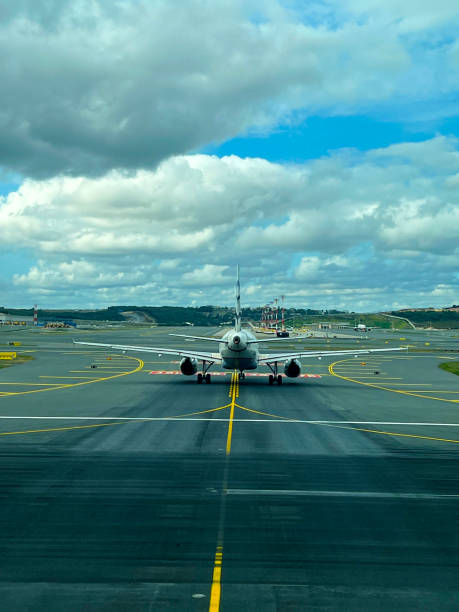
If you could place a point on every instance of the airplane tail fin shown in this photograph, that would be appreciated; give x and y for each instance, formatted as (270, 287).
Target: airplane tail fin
(237, 319)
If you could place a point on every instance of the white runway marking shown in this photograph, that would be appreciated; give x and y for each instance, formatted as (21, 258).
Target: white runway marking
(365, 494)
(273, 420)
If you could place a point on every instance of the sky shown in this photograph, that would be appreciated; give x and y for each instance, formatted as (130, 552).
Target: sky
(147, 147)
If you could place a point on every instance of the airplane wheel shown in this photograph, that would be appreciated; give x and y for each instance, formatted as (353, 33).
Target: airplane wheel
(279, 380)
(271, 379)
(207, 378)
(199, 379)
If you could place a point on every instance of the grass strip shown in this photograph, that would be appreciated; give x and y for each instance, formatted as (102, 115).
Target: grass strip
(450, 366)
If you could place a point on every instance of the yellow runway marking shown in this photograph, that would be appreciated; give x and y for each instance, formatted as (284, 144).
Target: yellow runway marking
(103, 366)
(215, 591)
(414, 385)
(401, 391)
(235, 393)
(104, 361)
(230, 392)
(77, 352)
(390, 433)
(374, 431)
(435, 391)
(30, 431)
(178, 416)
(378, 377)
(72, 377)
(360, 373)
(85, 382)
(113, 371)
(103, 370)
(275, 416)
(30, 384)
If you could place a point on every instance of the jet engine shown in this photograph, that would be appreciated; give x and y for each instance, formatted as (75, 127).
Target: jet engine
(292, 368)
(188, 366)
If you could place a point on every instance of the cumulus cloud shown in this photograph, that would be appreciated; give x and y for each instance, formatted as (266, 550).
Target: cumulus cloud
(381, 224)
(91, 85)
(209, 274)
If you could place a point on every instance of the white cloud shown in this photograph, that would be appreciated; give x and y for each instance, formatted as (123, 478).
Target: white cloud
(209, 274)
(314, 267)
(386, 221)
(88, 86)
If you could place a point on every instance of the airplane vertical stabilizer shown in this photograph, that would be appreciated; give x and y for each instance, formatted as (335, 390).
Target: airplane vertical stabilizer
(237, 319)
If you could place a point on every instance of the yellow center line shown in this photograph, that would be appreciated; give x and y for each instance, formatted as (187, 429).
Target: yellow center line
(235, 393)
(230, 392)
(216, 589)
(401, 391)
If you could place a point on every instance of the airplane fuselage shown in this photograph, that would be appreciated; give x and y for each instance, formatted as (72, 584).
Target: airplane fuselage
(236, 353)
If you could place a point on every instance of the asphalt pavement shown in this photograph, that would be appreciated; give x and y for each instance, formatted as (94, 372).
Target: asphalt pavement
(123, 490)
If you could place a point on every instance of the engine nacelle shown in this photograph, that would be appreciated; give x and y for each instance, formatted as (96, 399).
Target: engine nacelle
(188, 366)
(292, 368)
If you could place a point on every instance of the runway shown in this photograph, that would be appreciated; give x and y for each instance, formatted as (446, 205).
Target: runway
(127, 491)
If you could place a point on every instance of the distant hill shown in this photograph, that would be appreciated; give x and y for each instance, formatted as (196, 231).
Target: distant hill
(220, 315)
(444, 319)
(161, 315)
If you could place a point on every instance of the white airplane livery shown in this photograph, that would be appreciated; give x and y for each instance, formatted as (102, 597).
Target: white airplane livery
(361, 327)
(238, 350)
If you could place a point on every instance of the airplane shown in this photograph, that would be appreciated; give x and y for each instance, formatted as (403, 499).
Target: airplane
(238, 350)
(361, 327)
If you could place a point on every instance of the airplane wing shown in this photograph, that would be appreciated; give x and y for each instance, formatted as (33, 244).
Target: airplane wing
(216, 357)
(270, 358)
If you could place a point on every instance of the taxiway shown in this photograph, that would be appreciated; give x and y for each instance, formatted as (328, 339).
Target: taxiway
(122, 490)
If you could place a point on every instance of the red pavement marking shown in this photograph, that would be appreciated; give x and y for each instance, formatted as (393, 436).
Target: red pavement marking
(176, 372)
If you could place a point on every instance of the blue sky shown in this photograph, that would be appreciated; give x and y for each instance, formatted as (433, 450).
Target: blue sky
(318, 136)
(315, 143)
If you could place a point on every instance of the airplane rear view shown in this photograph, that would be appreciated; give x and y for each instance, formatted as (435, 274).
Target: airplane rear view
(238, 350)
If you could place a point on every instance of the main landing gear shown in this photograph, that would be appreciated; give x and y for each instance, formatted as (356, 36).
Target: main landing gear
(274, 377)
(204, 376)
